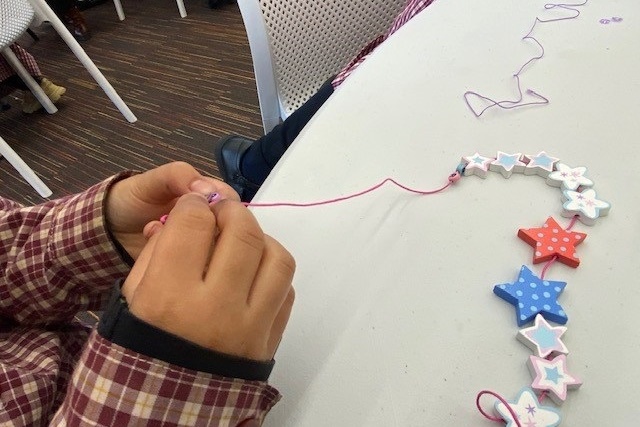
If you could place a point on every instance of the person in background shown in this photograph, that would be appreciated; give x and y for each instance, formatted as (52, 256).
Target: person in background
(198, 305)
(245, 163)
(70, 14)
(10, 81)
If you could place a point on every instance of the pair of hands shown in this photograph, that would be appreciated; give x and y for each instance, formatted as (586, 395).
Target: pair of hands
(209, 274)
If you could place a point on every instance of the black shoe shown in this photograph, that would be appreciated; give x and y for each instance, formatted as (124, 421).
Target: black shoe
(214, 4)
(228, 152)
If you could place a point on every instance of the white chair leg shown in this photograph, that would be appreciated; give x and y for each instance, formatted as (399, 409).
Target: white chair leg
(28, 80)
(27, 173)
(119, 9)
(84, 59)
(181, 8)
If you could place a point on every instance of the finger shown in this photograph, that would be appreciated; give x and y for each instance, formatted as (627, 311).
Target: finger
(152, 228)
(137, 271)
(164, 183)
(182, 251)
(237, 253)
(280, 322)
(206, 185)
(273, 280)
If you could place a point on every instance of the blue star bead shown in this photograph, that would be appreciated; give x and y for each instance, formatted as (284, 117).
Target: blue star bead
(532, 295)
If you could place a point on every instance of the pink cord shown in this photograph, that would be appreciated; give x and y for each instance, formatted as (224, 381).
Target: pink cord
(517, 103)
(453, 178)
(513, 414)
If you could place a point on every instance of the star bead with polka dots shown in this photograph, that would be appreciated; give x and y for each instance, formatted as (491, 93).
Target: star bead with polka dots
(531, 295)
(540, 164)
(569, 178)
(543, 338)
(476, 165)
(585, 204)
(507, 164)
(551, 240)
(528, 410)
(552, 376)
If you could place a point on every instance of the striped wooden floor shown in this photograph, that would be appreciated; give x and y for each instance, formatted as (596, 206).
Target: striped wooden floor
(189, 81)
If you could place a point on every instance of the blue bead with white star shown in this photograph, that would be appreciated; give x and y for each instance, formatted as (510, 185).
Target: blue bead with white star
(531, 295)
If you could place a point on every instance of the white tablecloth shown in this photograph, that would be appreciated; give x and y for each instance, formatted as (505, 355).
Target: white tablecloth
(395, 321)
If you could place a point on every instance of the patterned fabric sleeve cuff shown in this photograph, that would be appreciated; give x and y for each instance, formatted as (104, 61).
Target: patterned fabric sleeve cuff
(121, 327)
(112, 385)
(84, 249)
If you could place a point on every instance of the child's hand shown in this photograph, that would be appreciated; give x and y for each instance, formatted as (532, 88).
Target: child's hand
(133, 202)
(232, 295)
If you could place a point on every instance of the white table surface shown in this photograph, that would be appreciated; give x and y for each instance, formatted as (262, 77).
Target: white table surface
(395, 321)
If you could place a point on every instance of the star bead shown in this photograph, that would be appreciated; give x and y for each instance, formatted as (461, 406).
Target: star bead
(569, 178)
(551, 240)
(540, 164)
(529, 411)
(552, 376)
(585, 205)
(532, 295)
(543, 338)
(507, 164)
(476, 165)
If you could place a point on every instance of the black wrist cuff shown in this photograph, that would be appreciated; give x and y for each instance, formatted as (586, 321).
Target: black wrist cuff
(121, 327)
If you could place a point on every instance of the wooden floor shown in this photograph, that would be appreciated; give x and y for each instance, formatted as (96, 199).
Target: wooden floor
(189, 81)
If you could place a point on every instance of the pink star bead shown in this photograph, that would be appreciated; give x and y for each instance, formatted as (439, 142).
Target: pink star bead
(476, 165)
(552, 376)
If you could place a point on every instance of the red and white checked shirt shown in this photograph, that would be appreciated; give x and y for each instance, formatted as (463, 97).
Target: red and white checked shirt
(57, 259)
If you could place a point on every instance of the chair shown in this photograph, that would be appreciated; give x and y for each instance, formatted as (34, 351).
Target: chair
(296, 45)
(15, 16)
(120, 10)
(44, 13)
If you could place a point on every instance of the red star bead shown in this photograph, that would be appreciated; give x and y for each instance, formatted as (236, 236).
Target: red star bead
(552, 240)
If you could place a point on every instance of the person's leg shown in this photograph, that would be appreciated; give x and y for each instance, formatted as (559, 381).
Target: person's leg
(245, 163)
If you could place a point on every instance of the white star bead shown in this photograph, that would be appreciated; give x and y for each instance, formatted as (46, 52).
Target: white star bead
(569, 178)
(528, 411)
(585, 205)
(507, 164)
(543, 338)
(540, 164)
(476, 165)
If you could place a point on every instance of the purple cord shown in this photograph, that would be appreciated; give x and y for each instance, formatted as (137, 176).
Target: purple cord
(517, 103)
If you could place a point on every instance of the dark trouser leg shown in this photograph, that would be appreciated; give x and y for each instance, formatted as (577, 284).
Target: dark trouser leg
(60, 7)
(258, 161)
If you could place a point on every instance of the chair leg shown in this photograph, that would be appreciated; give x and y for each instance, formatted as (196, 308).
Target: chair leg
(119, 9)
(82, 56)
(181, 8)
(27, 173)
(28, 80)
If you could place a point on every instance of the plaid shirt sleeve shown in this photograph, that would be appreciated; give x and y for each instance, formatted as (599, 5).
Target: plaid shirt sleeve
(115, 386)
(55, 260)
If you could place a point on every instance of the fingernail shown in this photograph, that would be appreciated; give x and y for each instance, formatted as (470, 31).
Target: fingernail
(214, 198)
(202, 186)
